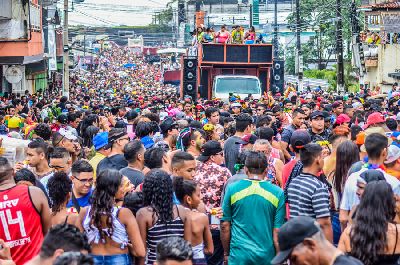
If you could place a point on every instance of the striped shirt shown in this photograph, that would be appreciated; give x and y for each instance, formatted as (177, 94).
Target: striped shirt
(159, 232)
(308, 196)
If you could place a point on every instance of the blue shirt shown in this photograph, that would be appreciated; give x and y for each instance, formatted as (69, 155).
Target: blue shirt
(82, 201)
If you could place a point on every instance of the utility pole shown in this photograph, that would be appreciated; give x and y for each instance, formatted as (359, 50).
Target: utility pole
(339, 48)
(358, 53)
(84, 44)
(276, 46)
(251, 15)
(299, 55)
(66, 52)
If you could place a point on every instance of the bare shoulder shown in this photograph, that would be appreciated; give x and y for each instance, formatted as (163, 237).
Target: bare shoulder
(144, 213)
(199, 217)
(36, 192)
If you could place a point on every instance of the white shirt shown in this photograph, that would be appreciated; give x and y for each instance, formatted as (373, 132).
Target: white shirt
(350, 198)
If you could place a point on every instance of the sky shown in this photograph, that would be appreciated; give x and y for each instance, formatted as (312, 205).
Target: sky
(115, 12)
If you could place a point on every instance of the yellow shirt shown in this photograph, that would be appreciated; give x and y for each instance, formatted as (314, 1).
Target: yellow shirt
(95, 161)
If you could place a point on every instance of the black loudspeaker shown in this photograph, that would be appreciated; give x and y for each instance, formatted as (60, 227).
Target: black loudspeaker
(278, 76)
(213, 53)
(263, 75)
(261, 54)
(237, 54)
(203, 88)
(190, 77)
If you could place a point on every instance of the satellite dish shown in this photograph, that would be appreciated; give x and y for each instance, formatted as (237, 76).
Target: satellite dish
(13, 74)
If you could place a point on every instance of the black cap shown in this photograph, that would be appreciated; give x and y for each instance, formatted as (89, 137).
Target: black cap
(167, 124)
(209, 148)
(316, 114)
(114, 135)
(327, 116)
(293, 233)
(300, 138)
(63, 119)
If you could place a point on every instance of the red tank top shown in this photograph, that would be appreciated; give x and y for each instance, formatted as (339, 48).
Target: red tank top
(20, 224)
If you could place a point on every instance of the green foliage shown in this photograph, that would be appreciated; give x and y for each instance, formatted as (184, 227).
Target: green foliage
(329, 75)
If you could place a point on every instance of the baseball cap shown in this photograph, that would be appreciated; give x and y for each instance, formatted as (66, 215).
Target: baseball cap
(356, 105)
(393, 154)
(236, 105)
(63, 119)
(316, 114)
(372, 130)
(115, 134)
(167, 124)
(163, 115)
(327, 116)
(374, 118)
(209, 148)
(336, 104)
(300, 138)
(100, 140)
(67, 134)
(180, 115)
(342, 118)
(292, 233)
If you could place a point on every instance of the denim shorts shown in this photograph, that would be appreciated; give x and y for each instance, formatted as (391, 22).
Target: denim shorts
(122, 259)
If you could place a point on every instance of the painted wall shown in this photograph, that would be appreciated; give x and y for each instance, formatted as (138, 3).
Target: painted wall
(22, 48)
(388, 62)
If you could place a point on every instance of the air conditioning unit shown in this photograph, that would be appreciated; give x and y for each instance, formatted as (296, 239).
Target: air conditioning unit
(5, 9)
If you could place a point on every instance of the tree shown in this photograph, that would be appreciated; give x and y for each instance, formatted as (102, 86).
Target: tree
(320, 17)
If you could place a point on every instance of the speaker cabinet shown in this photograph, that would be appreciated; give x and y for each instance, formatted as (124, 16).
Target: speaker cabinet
(278, 76)
(189, 77)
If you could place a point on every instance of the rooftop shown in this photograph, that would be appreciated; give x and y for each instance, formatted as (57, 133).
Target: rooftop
(387, 5)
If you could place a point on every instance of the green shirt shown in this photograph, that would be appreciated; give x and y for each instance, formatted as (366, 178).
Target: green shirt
(254, 209)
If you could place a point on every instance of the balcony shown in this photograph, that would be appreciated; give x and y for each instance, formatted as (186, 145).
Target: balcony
(371, 62)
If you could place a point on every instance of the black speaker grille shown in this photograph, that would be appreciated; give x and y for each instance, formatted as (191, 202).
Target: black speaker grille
(237, 54)
(260, 54)
(203, 89)
(213, 53)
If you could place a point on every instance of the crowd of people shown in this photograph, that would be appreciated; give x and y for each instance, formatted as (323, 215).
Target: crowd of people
(237, 35)
(126, 172)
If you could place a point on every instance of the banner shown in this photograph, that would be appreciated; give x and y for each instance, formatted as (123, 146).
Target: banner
(52, 49)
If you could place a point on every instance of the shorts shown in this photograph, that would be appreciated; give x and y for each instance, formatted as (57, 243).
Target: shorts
(122, 259)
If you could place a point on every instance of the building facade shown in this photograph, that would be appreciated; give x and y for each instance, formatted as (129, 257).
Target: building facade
(22, 64)
(381, 44)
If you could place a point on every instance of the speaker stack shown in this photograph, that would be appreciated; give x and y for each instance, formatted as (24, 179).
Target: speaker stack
(278, 76)
(190, 77)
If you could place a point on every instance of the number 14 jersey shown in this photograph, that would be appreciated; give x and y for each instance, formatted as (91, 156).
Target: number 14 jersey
(20, 224)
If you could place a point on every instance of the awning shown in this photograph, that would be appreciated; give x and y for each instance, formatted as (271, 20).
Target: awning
(394, 75)
(171, 50)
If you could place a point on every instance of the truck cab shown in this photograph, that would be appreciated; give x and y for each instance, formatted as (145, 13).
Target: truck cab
(238, 85)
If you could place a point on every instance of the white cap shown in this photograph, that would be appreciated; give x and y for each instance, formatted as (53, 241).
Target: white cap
(393, 154)
(67, 134)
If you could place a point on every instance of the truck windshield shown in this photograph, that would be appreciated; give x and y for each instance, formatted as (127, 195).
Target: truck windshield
(237, 85)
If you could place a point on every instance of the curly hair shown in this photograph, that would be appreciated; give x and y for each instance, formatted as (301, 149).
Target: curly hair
(43, 130)
(376, 210)
(157, 194)
(59, 187)
(107, 185)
